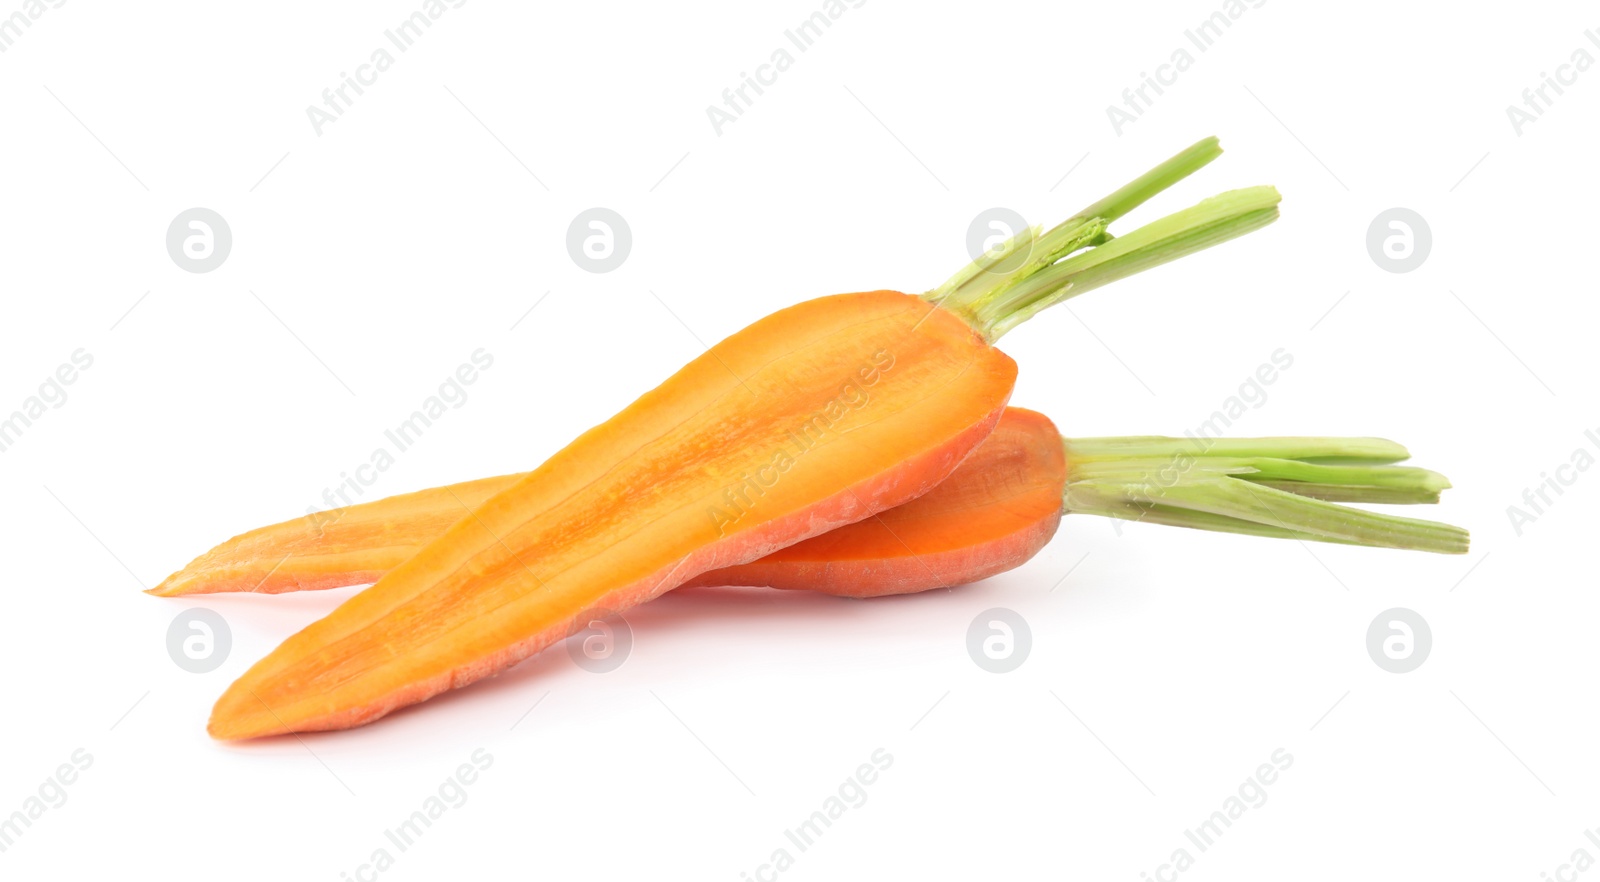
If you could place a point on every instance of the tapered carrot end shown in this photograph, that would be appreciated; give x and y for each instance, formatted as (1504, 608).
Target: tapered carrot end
(229, 721)
(176, 585)
(252, 708)
(266, 701)
(225, 729)
(240, 714)
(206, 574)
(242, 731)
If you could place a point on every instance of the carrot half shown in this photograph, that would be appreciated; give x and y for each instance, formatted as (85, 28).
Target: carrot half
(994, 513)
(814, 417)
(997, 509)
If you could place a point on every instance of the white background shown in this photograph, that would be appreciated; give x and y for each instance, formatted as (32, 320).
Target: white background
(369, 261)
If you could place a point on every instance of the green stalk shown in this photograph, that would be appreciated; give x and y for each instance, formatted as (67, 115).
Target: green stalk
(1372, 451)
(1280, 487)
(1033, 270)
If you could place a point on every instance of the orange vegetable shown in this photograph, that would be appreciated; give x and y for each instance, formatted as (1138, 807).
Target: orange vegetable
(654, 496)
(1004, 503)
(993, 513)
(355, 545)
(816, 416)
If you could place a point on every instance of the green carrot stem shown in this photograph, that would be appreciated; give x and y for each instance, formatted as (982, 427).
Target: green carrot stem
(1032, 271)
(1281, 487)
(1138, 191)
(1370, 451)
(1354, 492)
(1177, 517)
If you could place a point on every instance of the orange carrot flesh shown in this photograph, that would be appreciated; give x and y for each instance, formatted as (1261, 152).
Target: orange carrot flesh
(994, 512)
(849, 404)
(814, 417)
(355, 545)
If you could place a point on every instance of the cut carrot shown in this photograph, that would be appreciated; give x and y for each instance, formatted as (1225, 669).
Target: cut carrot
(354, 545)
(1004, 504)
(816, 416)
(656, 495)
(992, 514)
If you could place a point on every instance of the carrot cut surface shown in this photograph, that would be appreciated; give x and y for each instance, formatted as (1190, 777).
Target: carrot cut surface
(814, 417)
(994, 512)
(355, 545)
